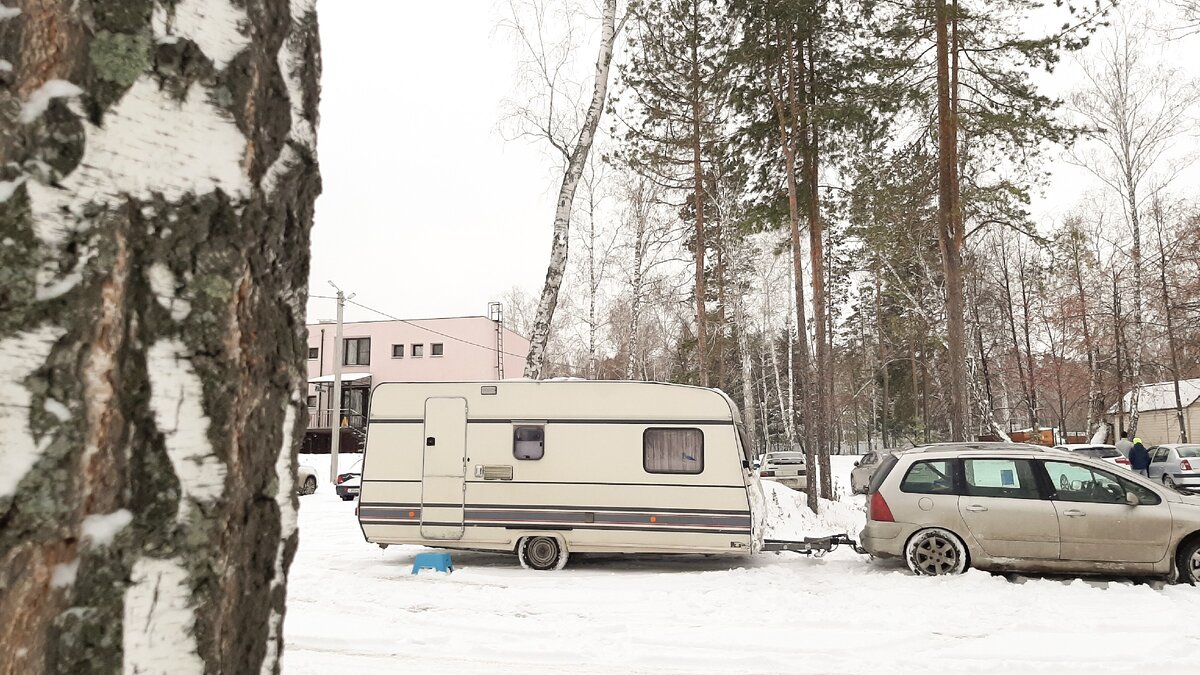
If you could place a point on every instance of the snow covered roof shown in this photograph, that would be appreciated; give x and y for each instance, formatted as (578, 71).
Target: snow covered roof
(1161, 395)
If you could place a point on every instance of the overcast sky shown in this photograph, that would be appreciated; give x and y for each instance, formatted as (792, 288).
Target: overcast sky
(427, 211)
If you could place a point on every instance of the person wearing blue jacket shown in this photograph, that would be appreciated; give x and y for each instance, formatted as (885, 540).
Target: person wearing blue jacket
(1139, 458)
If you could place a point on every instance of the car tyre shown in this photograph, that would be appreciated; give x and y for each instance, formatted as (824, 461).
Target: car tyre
(934, 552)
(310, 486)
(1187, 563)
(542, 553)
(1168, 481)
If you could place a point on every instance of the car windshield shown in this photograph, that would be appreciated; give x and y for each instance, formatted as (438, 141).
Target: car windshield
(1099, 452)
(1186, 451)
(786, 458)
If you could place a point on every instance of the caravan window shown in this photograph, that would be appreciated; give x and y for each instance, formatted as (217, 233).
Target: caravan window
(529, 441)
(673, 450)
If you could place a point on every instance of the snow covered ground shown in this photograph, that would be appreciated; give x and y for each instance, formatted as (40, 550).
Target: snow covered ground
(354, 608)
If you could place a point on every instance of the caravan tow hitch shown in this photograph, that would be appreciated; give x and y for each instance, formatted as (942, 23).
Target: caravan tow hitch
(817, 546)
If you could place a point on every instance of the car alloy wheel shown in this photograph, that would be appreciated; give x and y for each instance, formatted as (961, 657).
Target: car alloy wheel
(934, 552)
(310, 485)
(1168, 481)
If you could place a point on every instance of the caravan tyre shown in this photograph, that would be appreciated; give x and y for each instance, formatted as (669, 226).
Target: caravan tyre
(541, 553)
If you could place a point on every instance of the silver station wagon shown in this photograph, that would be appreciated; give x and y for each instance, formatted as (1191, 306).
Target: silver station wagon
(1010, 507)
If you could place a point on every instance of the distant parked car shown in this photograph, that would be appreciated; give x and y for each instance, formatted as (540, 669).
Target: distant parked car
(1177, 466)
(349, 484)
(1105, 453)
(1011, 507)
(860, 476)
(786, 468)
(306, 479)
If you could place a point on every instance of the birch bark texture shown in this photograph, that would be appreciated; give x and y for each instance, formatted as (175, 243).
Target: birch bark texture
(575, 151)
(157, 178)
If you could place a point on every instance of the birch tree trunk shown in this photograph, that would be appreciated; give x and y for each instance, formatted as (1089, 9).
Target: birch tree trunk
(155, 206)
(576, 160)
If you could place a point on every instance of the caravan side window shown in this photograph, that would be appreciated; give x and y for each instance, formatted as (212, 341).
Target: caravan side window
(673, 450)
(529, 441)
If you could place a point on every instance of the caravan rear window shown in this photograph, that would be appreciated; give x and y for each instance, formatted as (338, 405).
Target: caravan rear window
(673, 450)
(529, 441)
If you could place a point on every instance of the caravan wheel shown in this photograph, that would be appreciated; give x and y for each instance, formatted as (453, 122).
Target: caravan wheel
(541, 553)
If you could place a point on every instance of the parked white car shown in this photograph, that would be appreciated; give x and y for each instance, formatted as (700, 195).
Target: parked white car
(306, 479)
(1176, 465)
(786, 468)
(1100, 451)
(864, 469)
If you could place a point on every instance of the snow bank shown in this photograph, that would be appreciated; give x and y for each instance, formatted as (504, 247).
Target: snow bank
(788, 515)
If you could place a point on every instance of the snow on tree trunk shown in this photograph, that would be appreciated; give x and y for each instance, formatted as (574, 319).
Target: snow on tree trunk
(155, 205)
(540, 333)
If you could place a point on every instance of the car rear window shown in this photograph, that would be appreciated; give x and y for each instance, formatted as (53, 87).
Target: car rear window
(1188, 451)
(931, 477)
(881, 474)
(1099, 452)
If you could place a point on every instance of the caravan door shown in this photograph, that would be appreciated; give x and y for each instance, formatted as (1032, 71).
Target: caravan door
(443, 468)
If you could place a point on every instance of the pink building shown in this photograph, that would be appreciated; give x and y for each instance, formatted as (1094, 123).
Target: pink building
(417, 350)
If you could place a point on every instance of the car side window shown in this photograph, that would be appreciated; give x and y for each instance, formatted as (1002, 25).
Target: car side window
(929, 478)
(1078, 483)
(1145, 495)
(1158, 455)
(1012, 478)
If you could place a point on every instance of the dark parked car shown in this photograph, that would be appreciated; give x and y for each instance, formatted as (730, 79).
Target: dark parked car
(349, 483)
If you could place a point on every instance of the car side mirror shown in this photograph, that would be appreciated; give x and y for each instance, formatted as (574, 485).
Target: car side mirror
(857, 464)
(1132, 499)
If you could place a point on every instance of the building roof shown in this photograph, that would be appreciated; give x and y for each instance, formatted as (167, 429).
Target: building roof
(1161, 395)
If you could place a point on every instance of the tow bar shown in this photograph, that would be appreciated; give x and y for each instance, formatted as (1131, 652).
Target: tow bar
(815, 546)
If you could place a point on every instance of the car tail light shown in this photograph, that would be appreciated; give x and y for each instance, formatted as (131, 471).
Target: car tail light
(1185, 465)
(1122, 460)
(879, 509)
(767, 474)
(340, 480)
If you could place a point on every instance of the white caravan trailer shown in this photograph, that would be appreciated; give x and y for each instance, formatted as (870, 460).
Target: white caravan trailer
(545, 468)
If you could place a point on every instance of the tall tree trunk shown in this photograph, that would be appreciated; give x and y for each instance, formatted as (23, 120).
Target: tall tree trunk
(152, 347)
(698, 200)
(1172, 345)
(1117, 345)
(823, 377)
(635, 305)
(540, 333)
(1031, 393)
(1095, 396)
(748, 414)
(883, 365)
(950, 231)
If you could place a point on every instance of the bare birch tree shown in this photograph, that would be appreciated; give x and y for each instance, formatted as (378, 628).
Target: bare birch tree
(552, 115)
(156, 195)
(1135, 109)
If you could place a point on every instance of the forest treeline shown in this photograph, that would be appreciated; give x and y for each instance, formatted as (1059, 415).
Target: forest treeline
(828, 210)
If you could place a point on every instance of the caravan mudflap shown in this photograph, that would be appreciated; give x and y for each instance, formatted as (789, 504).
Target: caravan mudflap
(817, 546)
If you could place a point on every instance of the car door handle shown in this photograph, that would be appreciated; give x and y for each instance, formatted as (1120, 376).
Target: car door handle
(976, 508)
(1074, 513)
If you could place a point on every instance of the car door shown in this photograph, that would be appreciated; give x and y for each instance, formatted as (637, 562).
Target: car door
(1158, 455)
(1006, 511)
(1095, 524)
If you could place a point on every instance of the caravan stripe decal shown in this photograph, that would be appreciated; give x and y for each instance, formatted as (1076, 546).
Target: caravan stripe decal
(653, 510)
(565, 420)
(650, 520)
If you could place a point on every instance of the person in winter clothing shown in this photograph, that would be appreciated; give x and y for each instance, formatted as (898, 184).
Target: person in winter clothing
(1139, 458)
(1124, 445)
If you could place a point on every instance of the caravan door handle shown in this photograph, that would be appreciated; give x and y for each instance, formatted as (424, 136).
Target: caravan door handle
(1074, 513)
(977, 508)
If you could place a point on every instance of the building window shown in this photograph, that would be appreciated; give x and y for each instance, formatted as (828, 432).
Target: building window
(314, 353)
(673, 450)
(397, 351)
(357, 352)
(312, 401)
(435, 349)
(529, 441)
(418, 351)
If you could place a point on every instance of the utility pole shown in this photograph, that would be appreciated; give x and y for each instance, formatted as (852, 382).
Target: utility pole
(335, 423)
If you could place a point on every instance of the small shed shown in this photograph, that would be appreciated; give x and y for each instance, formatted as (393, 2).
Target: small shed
(1157, 421)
